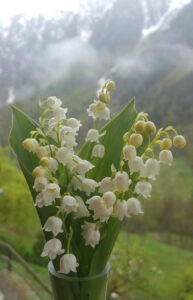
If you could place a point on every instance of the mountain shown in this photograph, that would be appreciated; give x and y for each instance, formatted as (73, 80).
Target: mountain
(39, 51)
(145, 45)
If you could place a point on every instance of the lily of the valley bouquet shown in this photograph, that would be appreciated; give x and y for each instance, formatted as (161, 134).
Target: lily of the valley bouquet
(83, 196)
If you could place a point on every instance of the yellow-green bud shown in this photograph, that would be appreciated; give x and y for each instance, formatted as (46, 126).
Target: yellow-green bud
(39, 172)
(111, 86)
(104, 97)
(30, 145)
(41, 152)
(100, 106)
(179, 141)
(136, 140)
(166, 144)
(150, 128)
(126, 137)
(139, 126)
(44, 162)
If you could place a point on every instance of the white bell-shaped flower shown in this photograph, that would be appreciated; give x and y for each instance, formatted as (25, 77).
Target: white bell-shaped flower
(73, 123)
(53, 164)
(98, 151)
(121, 181)
(67, 136)
(30, 145)
(143, 188)
(150, 169)
(40, 201)
(52, 248)
(82, 210)
(59, 114)
(64, 155)
(133, 207)
(40, 183)
(76, 182)
(51, 192)
(53, 102)
(129, 152)
(53, 224)
(92, 136)
(90, 234)
(106, 185)
(69, 204)
(68, 263)
(120, 209)
(48, 195)
(102, 206)
(135, 165)
(88, 186)
(166, 157)
(82, 166)
(99, 110)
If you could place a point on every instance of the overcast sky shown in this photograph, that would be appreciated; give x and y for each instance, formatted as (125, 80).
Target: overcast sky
(31, 8)
(50, 8)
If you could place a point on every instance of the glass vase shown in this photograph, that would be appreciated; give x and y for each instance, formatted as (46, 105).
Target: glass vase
(79, 288)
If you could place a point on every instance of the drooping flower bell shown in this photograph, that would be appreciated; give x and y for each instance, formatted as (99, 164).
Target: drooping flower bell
(52, 248)
(68, 263)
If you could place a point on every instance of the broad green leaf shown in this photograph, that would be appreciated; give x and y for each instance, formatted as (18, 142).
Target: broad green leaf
(21, 127)
(113, 141)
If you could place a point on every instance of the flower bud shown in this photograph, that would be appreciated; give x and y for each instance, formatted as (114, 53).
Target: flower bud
(41, 152)
(179, 141)
(111, 86)
(104, 97)
(139, 126)
(44, 161)
(39, 172)
(100, 106)
(30, 145)
(166, 144)
(150, 128)
(136, 140)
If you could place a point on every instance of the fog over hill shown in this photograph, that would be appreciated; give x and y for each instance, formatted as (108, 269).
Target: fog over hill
(139, 43)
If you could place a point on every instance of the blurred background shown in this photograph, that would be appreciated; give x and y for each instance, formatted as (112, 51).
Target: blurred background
(68, 49)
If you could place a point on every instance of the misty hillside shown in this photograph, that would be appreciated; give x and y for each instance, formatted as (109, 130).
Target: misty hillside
(146, 47)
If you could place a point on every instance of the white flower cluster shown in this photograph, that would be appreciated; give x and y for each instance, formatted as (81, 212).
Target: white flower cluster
(62, 177)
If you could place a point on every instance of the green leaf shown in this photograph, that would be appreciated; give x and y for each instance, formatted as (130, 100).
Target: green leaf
(22, 125)
(113, 142)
